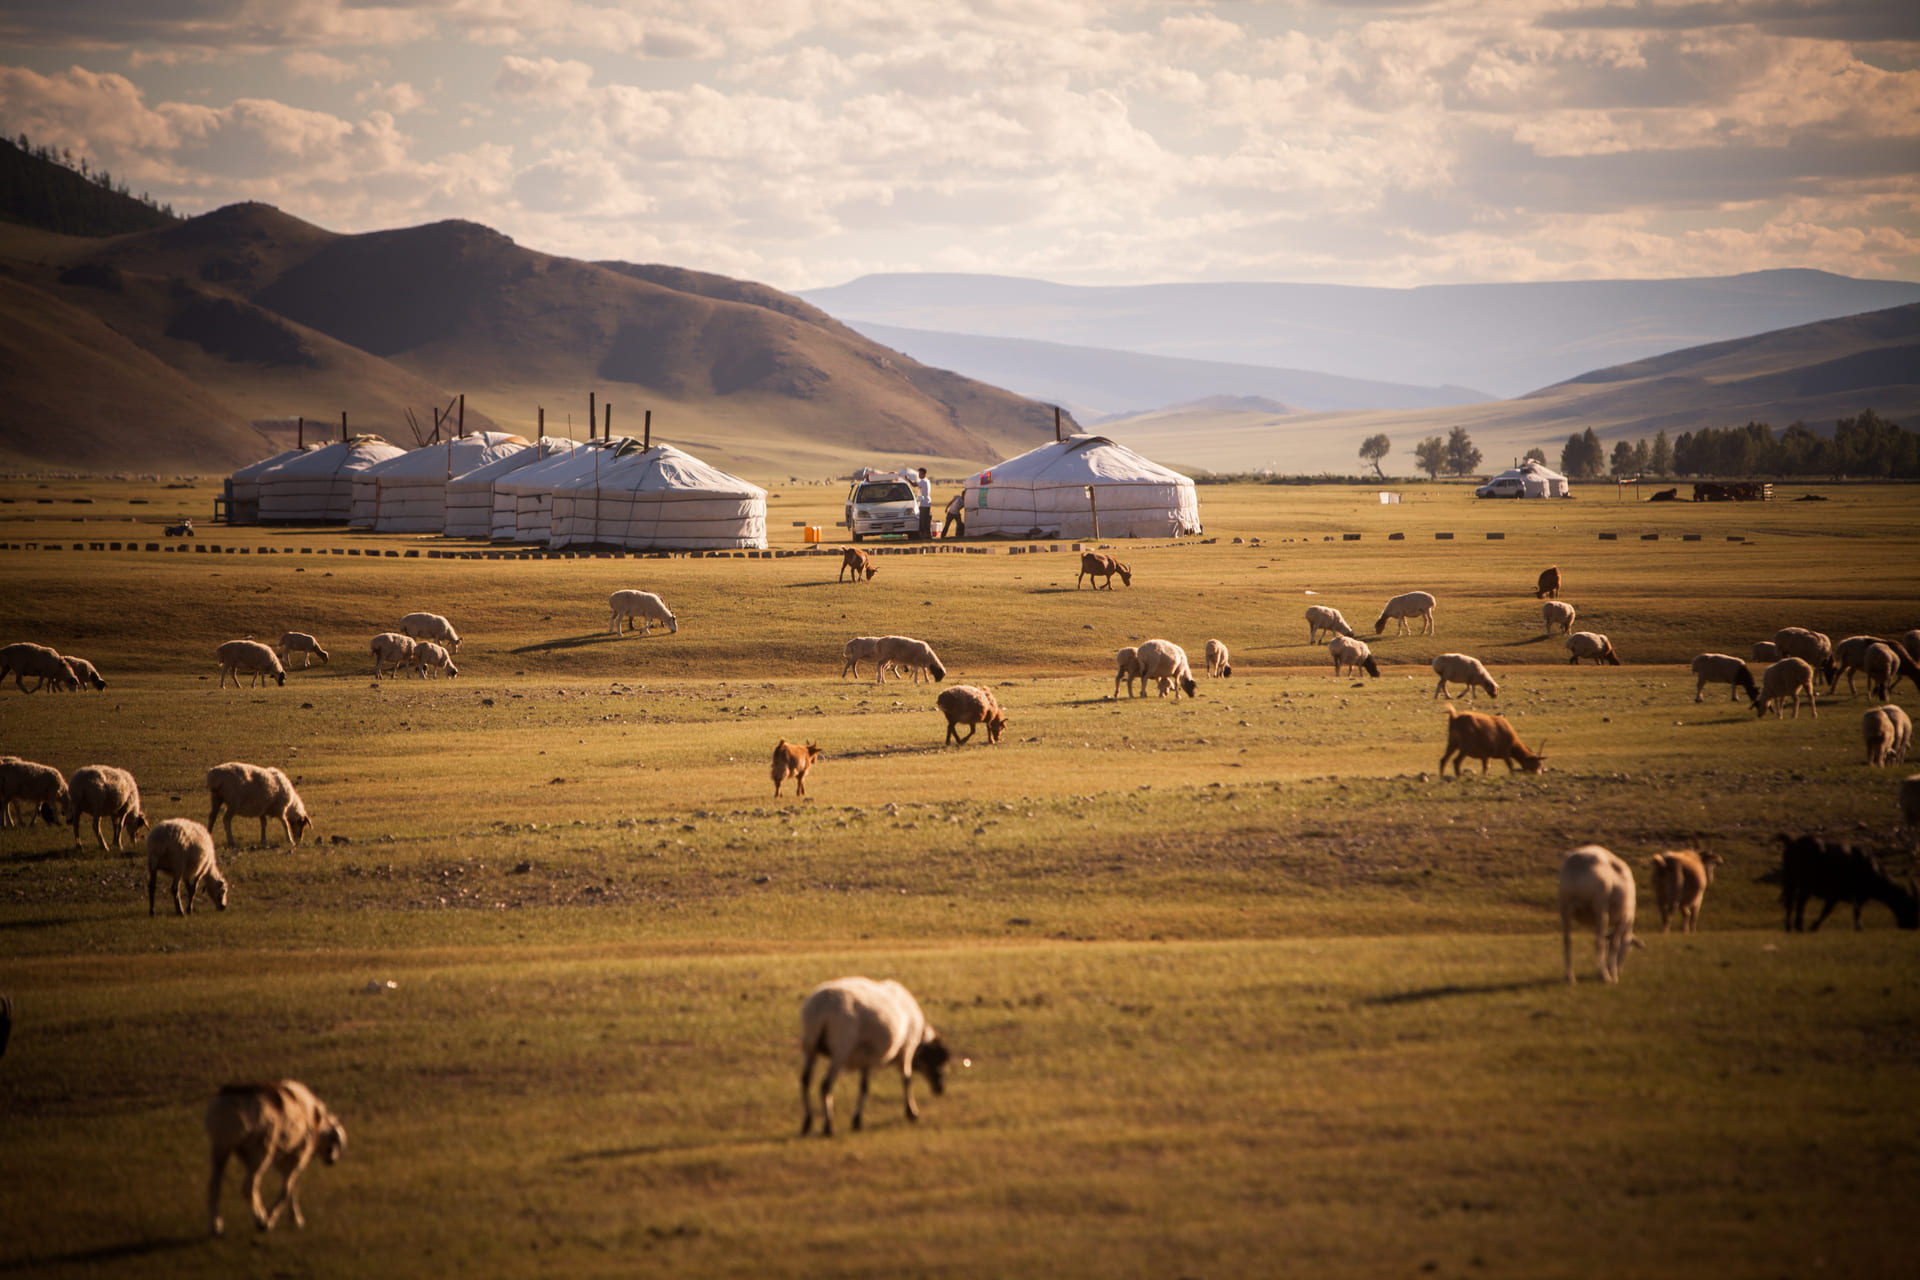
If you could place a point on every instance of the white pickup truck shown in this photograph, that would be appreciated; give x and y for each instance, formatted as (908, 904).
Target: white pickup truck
(883, 504)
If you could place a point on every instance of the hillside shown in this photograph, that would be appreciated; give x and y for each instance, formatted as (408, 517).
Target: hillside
(36, 191)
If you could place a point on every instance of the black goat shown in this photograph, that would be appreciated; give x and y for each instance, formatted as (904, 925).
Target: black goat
(1811, 867)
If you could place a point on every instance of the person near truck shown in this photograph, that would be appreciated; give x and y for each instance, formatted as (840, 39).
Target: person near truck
(926, 506)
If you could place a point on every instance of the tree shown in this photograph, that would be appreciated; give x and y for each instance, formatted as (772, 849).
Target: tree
(1622, 458)
(1660, 457)
(1640, 456)
(1431, 455)
(1374, 448)
(1535, 454)
(1462, 458)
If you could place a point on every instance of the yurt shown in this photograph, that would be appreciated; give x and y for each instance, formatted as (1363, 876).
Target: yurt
(1528, 480)
(659, 499)
(408, 494)
(1043, 494)
(523, 499)
(471, 498)
(319, 485)
(243, 486)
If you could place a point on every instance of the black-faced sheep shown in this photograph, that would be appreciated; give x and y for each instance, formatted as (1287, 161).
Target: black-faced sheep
(183, 849)
(791, 760)
(1787, 678)
(1353, 655)
(1811, 867)
(292, 642)
(85, 672)
(251, 791)
(1596, 888)
(1721, 668)
(279, 1124)
(1414, 604)
(1459, 668)
(1165, 662)
(430, 659)
(102, 791)
(973, 706)
(903, 653)
(36, 660)
(249, 658)
(1219, 661)
(41, 786)
(862, 1024)
(1680, 880)
(1591, 646)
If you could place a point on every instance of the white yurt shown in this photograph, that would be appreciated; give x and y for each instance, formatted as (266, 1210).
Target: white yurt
(243, 486)
(523, 499)
(1043, 494)
(659, 499)
(318, 486)
(408, 494)
(471, 500)
(1536, 480)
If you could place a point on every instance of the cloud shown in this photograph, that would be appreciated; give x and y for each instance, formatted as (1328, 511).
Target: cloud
(544, 82)
(307, 64)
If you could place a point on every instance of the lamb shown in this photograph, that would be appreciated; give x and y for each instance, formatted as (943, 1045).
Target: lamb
(1095, 565)
(279, 1123)
(1130, 668)
(102, 791)
(391, 651)
(1352, 654)
(1558, 614)
(1814, 868)
(249, 658)
(1721, 668)
(904, 653)
(1766, 651)
(863, 1024)
(1593, 646)
(431, 626)
(84, 672)
(792, 761)
(253, 791)
(1888, 733)
(1219, 661)
(1810, 647)
(306, 646)
(973, 706)
(1486, 738)
(1166, 662)
(645, 606)
(858, 561)
(428, 656)
(46, 666)
(1785, 677)
(41, 786)
(1414, 604)
(183, 849)
(1322, 618)
(1596, 888)
(1549, 583)
(1458, 668)
(1680, 880)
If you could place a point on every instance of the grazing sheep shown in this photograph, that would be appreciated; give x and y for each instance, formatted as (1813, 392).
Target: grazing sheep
(1095, 565)
(1549, 584)
(1593, 646)
(643, 605)
(1130, 668)
(1558, 615)
(973, 706)
(249, 658)
(102, 791)
(1886, 666)
(1785, 678)
(856, 649)
(253, 791)
(1721, 668)
(45, 665)
(279, 1124)
(1680, 880)
(1486, 738)
(1458, 668)
(858, 561)
(1849, 656)
(1414, 604)
(431, 626)
(1814, 868)
(1324, 619)
(1766, 651)
(306, 646)
(903, 653)
(391, 651)
(84, 672)
(428, 656)
(1596, 888)
(1911, 643)
(1810, 647)
(1888, 733)
(792, 761)
(41, 786)
(1219, 661)
(1166, 662)
(183, 849)
(1352, 654)
(863, 1024)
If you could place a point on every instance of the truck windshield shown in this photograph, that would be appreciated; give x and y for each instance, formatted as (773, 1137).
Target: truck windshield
(883, 492)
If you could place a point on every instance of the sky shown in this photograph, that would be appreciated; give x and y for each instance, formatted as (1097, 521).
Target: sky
(804, 143)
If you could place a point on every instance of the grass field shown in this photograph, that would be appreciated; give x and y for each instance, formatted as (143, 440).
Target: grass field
(1249, 988)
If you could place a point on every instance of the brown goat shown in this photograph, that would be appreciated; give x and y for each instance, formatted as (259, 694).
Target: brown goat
(1680, 880)
(858, 561)
(791, 761)
(1549, 584)
(1095, 565)
(1485, 738)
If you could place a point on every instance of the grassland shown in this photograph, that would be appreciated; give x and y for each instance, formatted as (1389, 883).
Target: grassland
(1248, 987)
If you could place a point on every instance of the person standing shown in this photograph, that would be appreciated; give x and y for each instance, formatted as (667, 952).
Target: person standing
(926, 506)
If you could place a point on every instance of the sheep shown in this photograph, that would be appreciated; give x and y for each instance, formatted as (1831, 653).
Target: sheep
(391, 651)
(85, 672)
(1558, 614)
(253, 791)
(1596, 888)
(1548, 584)
(1166, 662)
(858, 561)
(431, 626)
(1911, 643)
(903, 653)
(1765, 651)
(1486, 738)
(856, 649)
(1886, 666)
(428, 656)
(1786, 677)
(1323, 618)
(102, 791)
(1721, 668)
(1888, 733)
(41, 786)
(1459, 668)
(279, 1123)
(1130, 668)
(860, 1023)
(183, 849)
(790, 760)
(300, 642)
(1591, 645)
(1810, 647)
(1095, 565)
(973, 706)
(1680, 880)
(1219, 661)
(627, 606)
(1814, 868)
(249, 658)
(1353, 654)
(1414, 604)
(28, 659)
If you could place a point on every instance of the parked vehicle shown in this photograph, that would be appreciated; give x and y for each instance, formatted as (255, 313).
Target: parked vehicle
(882, 504)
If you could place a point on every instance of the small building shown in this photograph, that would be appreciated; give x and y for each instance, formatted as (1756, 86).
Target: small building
(1528, 480)
(1068, 488)
(658, 499)
(317, 486)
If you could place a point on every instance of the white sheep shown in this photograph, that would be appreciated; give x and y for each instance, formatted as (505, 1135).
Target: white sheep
(1323, 619)
(1165, 662)
(85, 672)
(1721, 668)
(249, 658)
(863, 1024)
(430, 657)
(1811, 647)
(1888, 733)
(253, 791)
(42, 786)
(36, 660)
(903, 653)
(1414, 604)
(1591, 646)
(431, 626)
(183, 849)
(102, 791)
(391, 651)
(857, 650)
(1786, 678)
(1129, 670)
(1596, 888)
(279, 1124)
(1558, 615)
(1352, 654)
(645, 606)
(1219, 661)
(300, 642)
(1766, 651)
(1458, 668)
(1680, 880)
(1884, 666)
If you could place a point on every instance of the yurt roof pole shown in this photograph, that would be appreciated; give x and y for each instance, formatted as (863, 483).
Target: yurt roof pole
(608, 433)
(1056, 424)
(343, 426)
(542, 436)
(593, 414)
(303, 433)
(646, 436)
(463, 415)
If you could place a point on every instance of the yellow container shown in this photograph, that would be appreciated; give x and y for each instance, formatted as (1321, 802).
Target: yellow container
(810, 534)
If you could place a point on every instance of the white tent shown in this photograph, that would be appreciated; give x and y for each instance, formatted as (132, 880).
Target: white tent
(1536, 480)
(659, 499)
(408, 494)
(523, 500)
(471, 500)
(243, 486)
(318, 486)
(1043, 494)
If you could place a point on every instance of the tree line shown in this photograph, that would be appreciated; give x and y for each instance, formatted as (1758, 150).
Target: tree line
(42, 187)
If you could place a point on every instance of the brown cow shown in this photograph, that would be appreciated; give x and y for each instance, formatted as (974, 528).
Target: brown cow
(858, 561)
(1095, 565)
(1549, 583)
(1485, 738)
(791, 761)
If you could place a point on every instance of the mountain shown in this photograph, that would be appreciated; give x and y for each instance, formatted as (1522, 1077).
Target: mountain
(38, 191)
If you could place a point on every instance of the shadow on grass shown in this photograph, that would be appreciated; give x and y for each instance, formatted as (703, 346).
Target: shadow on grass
(882, 753)
(50, 922)
(669, 1148)
(581, 642)
(824, 582)
(1453, 989)
(104, 1253)
(1521, 644)
(30, 856)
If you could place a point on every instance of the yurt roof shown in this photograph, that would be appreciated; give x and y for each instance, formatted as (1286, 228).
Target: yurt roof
(664, 469)
(537, 453)
(253, 469)
(1080, 459)
(356, 454)
(1535, 469)
(545, 475)
(463, 455)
